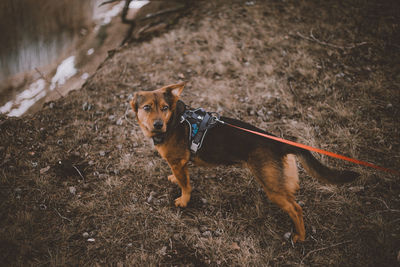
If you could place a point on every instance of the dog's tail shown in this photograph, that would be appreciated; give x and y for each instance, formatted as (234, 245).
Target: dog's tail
(322, 172)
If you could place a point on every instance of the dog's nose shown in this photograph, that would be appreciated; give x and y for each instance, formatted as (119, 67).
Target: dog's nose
(158, 125)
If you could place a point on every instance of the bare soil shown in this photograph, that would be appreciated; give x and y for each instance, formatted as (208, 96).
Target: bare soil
(81, 186)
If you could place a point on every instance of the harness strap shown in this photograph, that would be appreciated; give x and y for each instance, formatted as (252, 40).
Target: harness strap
(199, 122)
(305, 147)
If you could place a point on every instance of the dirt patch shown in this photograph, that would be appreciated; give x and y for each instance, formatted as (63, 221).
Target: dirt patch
(80, 184)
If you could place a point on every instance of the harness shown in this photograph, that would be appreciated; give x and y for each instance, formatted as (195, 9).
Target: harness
(199, 122)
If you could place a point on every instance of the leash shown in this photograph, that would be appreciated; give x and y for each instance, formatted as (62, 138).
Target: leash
(321, 151)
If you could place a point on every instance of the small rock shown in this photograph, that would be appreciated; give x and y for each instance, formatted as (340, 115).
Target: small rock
(129, 245)
(91, 240)
(119, 122)
(218, 232)
(287, 235)
(72, 190)
(111, 117)
(207, 234)
(204, 201)
(389, 106)
(91, 163)
(52, 105)
(150, 198)
(85, 234)
(102, 153)
(119, 146)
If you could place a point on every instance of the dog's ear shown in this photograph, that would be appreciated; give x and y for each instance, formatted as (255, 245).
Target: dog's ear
(134, 102)
(174, 89)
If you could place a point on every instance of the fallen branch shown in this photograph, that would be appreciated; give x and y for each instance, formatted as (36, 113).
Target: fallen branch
(312, 38)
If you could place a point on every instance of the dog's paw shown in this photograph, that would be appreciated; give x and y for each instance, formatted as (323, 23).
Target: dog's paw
(172, 179)
(298, 238)
(181, 202)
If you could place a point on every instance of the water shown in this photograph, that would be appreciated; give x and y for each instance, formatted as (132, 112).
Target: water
(38, 33)
(34, 32)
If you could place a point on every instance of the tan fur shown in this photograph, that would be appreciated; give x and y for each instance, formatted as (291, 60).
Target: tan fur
(290, 173)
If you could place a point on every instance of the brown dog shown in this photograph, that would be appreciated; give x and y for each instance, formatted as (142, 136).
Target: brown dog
(272, 163)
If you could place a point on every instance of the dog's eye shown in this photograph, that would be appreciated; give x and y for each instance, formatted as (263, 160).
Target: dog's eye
(164, 108)
(147, 108)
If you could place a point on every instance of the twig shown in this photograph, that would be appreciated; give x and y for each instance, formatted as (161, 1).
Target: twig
(312, 38)
(108, 2)
(62, 217)
(324, 248)
(47, 81)
(291, 89)
(384, 203)
(83, 178)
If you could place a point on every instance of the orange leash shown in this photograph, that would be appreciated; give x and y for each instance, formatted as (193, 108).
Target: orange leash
(331, 154)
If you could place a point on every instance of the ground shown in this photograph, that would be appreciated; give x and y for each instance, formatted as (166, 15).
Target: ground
(80, 185)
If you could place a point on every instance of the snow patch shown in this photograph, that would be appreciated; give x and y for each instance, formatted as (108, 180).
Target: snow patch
(138, 4)
(85, 76)
(33, 90)
(7, 107)
(26, 99)
(90, 51)
(64, 71)
(106, 16)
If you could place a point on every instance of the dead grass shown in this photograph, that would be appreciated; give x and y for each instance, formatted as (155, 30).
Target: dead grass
(244, 61)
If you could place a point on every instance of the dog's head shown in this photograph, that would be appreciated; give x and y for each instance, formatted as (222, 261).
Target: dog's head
(154, 108)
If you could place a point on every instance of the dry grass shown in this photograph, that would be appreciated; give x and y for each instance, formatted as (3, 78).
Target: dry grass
(244, 61)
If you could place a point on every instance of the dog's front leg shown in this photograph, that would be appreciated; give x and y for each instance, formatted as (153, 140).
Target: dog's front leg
(181, 173)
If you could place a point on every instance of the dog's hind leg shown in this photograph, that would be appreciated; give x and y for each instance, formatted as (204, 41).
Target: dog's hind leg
(279, 179)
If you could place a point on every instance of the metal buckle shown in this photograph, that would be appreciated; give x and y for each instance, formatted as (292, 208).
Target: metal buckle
(194, 147)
